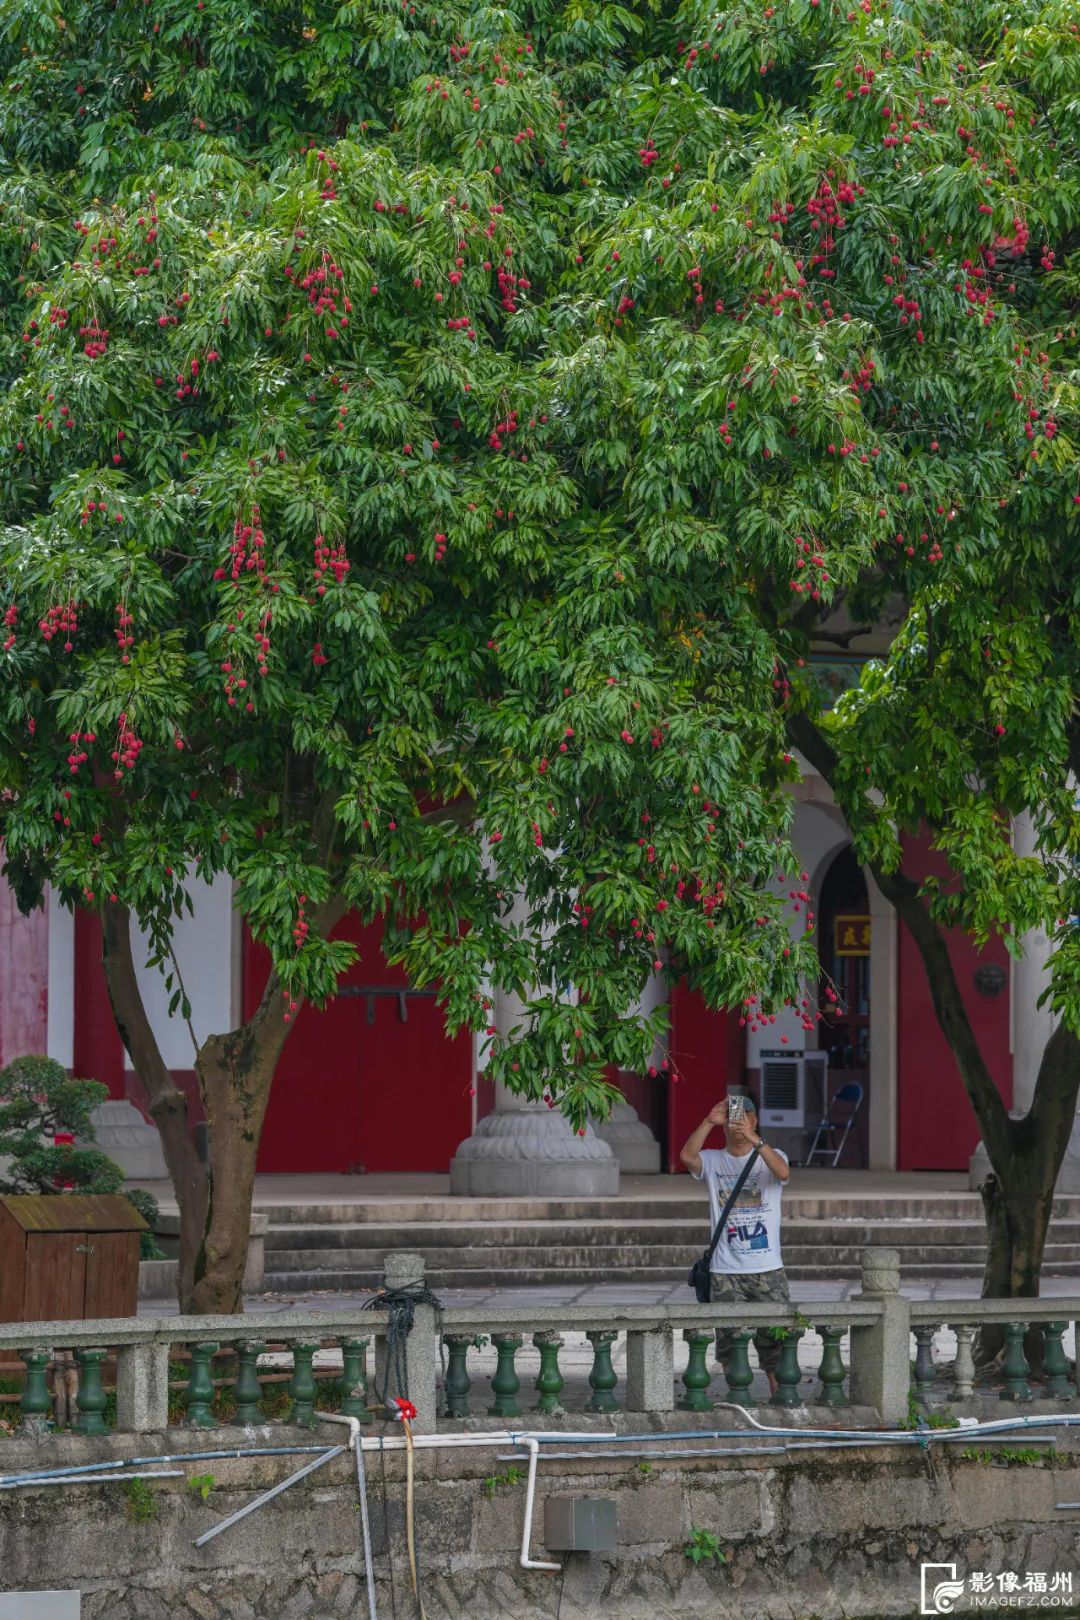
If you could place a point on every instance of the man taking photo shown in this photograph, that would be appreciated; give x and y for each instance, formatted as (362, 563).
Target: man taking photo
(746, 1262)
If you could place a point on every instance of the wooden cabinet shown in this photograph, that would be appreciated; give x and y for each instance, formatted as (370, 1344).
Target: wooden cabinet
(67, 1258)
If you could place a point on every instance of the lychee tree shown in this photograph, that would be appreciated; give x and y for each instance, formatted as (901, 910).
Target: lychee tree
(432, 440)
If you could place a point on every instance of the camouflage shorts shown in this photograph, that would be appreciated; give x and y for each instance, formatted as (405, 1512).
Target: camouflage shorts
(751, 1286)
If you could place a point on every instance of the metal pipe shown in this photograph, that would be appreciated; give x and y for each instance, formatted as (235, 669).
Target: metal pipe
(458, 1442)
(268, 1496)
(862, 1437)
(89, 1479)
(464, 1442)
(139, 1462)
(515, 1437)
(987, 1426)
(453, 1442)
(704, 1451)
(361, 1491)
(732, 1451)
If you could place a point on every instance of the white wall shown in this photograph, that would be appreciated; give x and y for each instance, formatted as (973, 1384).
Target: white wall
(60, 1019)
(1030, 1026)
(203, 944)
(817, 836)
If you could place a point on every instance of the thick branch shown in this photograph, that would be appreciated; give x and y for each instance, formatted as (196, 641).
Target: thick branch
(168, 1104)
(236, 1074)
(1053, 1107)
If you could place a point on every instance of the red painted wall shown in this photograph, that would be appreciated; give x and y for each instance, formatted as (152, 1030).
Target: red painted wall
(936, 1126)
(24, 979)
(349, 1094)
(707, 1052)
(98, 1053)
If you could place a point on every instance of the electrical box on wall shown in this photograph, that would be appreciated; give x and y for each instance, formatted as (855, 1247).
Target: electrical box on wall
(579, 1524)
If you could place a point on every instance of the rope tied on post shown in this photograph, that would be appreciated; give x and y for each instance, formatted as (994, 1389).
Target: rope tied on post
(400, 1306)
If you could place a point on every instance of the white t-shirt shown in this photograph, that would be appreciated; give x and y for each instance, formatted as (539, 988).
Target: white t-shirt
(752, 1239)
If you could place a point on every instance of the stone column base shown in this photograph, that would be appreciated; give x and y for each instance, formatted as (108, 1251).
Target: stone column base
(123, 1134)
(1068, 1180)
(533, 1153)
(632, 1142)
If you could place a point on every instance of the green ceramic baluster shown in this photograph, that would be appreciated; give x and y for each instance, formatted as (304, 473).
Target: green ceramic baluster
(832, 1371)
(505, 1384)
(696, 1378)
(458, 1383)
(738, 1372)
(1014, 1363)
(302, 1386)
(247, 1389)
(549, 1380)
(200, 1388)
(788, 1373)
(603, 1378)
(354, 1377)
(1055, 1362)
(35, 1401)
(91, 1397)
(924, 1359)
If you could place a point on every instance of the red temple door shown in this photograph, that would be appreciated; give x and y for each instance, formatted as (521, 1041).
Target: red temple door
(371, 1083)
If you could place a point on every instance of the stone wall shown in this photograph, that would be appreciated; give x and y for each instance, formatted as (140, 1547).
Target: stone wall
(807, 1534)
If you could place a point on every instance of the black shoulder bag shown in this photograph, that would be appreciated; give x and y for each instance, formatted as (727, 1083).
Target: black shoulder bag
(699, 1278)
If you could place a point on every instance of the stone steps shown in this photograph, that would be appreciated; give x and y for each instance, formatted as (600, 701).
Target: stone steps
(298, 1282)
(597, 1264)
(574, 1255)
(689, 1207)
(605, 1234)
(483, 1243)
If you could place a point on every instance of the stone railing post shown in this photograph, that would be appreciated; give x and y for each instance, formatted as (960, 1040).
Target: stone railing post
(650, 1370)
(255, 1265)
(142, 1387)
(404, 1271)
(881, 1350)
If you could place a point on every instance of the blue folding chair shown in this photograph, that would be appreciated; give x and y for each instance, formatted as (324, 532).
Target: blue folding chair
(850, 1095)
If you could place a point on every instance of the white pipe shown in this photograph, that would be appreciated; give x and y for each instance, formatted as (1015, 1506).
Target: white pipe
(458, 1442)
(453, 1442)
(533, 1446)
(872, 1437)
(361, 1491)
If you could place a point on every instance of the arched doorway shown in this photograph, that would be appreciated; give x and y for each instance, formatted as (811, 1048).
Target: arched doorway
(844, 945)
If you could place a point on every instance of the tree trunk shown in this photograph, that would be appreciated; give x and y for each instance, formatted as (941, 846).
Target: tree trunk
(235, 1074)
(168, 1104)
(1018, 1197)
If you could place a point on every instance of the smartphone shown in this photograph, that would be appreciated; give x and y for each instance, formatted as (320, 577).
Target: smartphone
(736, 1110)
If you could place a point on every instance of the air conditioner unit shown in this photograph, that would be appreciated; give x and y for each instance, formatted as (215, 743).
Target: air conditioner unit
(792, 1085)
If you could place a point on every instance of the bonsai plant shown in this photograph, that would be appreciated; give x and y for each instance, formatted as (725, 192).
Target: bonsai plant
(39, 1101)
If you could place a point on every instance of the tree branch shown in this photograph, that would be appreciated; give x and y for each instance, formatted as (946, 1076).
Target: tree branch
(168, 1104)
(902, 893)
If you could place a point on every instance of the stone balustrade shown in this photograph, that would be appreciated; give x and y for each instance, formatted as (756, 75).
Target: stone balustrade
(245, 1371)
